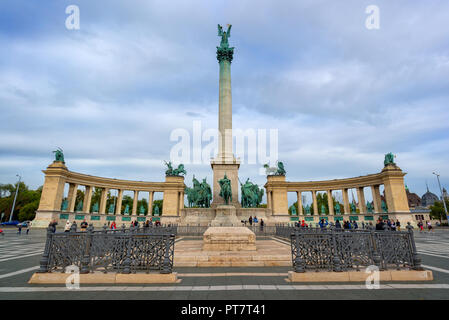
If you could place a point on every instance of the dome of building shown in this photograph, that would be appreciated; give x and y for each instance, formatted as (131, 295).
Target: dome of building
(428, 198)
(413, 199)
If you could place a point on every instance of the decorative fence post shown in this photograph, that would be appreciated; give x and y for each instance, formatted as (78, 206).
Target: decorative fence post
(416, 258)
(46, 256)
(376, 256)
(127, 262)
(86, 257)
(166, 266)
(335, 253)
(297, 259)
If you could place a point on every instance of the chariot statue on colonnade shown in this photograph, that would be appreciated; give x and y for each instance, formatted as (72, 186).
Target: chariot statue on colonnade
(389, 159)
(174, 172)
(59, 155)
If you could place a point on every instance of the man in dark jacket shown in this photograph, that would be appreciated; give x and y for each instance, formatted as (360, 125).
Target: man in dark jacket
(380, 224)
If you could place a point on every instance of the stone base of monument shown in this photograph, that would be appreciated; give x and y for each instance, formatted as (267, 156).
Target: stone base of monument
(100, 277)
(226, 216)
(229, 239)
(268, 253)
(360, 276)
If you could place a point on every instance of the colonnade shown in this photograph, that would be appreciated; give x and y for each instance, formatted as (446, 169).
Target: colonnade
(57, 176)
(391, 177)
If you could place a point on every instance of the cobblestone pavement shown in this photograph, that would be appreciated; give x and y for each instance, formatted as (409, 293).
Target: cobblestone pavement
(20, 255)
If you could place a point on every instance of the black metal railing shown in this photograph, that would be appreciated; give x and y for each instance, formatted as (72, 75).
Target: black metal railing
(330, 249)
(122, 250)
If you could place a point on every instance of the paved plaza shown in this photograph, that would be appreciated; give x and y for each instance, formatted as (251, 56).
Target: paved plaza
(20, 255)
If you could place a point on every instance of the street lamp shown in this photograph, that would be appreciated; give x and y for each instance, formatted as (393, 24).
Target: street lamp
(442, 195)
(15, 197)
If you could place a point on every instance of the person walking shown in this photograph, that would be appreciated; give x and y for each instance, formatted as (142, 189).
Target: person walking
(255, 220)
(67, 227)
(429, 226)
(356, 226)
(398, 225)
(420, 226)
(261, 224)
(19, 232)
(250, 220)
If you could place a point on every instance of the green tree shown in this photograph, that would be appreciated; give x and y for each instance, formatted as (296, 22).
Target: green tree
(437, 210)
(24, 199)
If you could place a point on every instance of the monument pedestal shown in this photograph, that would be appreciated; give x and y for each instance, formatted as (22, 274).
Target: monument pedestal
(229, 239)
(225, 216)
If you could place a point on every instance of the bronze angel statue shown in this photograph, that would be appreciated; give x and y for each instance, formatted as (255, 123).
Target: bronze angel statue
(224, 36)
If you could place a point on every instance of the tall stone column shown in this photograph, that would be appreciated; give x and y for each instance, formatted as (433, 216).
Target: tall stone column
(181, 200)
(299, 201)
(104, 198)
(87, 199)
(316, 210)
(225, 162)
(136, 196)
(376, 198)
(71, 196)
(346, 201)
(361, 198)
(118, 208)
(150, 203)
(330, 202)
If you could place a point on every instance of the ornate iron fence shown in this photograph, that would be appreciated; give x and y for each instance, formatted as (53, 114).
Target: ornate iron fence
(122, 250)
(315, 249)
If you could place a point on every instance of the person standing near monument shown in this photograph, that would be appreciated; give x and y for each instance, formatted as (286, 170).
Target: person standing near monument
(67, 227)
(250, 220)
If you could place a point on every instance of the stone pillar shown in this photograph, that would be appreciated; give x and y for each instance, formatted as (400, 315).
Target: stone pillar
(150, 203)
(118, 208)
(346, 201)
(181, 200)
(268, 199)
(173, 185)
(376, 199)
(136, 196)
(316, 210)
(71, 197)
(395, 194)
(104, 198)
(330, 202)
(279, 200)
(298, 195)
(361, 198)
(87, 199)
(53, 189)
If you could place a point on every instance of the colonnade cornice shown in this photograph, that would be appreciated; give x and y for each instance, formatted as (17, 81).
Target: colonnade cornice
(110, 183)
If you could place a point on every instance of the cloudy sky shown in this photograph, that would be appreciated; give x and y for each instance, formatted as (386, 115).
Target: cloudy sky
(111, 93)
